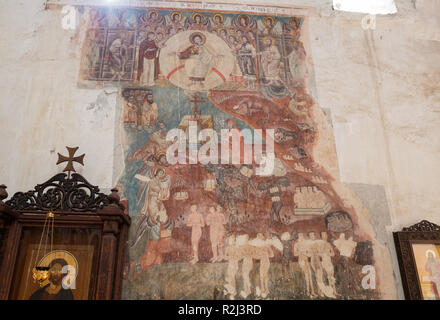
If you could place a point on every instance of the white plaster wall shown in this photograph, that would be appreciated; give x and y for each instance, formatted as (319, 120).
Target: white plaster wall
(382, 87)
(42, 109)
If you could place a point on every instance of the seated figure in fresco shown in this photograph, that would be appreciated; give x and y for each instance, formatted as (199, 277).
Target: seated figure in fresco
(118, 55)
(54, 290)
(198, 59)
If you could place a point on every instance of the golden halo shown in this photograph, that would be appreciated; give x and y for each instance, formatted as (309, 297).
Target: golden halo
(243, 32)
(268, 38)
(151, 12)
(168, 28)
(145, 27)
(294, 19)
(245, 18)
(58, 254)
(195, 15)
(161, 171)
(193, 35)
(218, 15)
(161, 32)
(234, 36)
(160, 154)
(220, 29)
(267, 19)
(175, 13)
(428, 251)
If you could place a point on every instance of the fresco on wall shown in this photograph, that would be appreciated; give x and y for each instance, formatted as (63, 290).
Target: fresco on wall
(222, 230)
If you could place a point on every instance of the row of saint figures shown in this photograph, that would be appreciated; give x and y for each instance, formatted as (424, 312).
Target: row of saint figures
(261, 58)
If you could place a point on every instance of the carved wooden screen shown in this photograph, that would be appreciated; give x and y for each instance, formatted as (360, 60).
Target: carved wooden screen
(90, 230)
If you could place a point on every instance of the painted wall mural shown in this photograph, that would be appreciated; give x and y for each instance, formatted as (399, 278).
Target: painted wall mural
(221, 230)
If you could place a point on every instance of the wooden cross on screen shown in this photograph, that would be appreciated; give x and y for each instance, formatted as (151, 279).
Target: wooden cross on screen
(196, 100)
(70, 159)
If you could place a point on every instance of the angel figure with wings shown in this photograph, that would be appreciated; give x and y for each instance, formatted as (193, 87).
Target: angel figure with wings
(293, 28)
(152, 18)
(219, 22)
(269, 27)
(158, 190)
(153, 221)
(198, 22)
(243, 23)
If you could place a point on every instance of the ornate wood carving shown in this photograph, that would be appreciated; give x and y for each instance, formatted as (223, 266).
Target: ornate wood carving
(423, 225)
(62, 193)
(3, 193)
(76, 204)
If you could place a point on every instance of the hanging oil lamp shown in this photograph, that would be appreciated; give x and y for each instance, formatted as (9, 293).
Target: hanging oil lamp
(40, 273)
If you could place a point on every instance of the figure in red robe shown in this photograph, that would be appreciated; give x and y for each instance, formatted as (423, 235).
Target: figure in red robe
(148, 70)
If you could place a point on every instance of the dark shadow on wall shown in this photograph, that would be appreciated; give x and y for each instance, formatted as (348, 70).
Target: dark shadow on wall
(374, 198)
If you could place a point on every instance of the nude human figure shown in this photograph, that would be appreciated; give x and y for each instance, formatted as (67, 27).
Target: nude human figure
(326, 252)
(231, 271)
(216, 221)
(196, 222)
(262, 252)
(315, 247)
(302, 252)
(345, 246)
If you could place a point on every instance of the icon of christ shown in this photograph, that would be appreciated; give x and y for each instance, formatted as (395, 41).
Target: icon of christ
(198, 59)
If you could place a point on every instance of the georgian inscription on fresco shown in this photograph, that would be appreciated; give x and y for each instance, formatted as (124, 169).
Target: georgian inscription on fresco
(223, 230)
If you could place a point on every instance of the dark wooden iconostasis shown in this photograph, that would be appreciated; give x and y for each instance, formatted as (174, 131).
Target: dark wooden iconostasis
(89, 231)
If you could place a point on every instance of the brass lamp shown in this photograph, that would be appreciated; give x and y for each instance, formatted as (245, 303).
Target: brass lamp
(40, 273)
